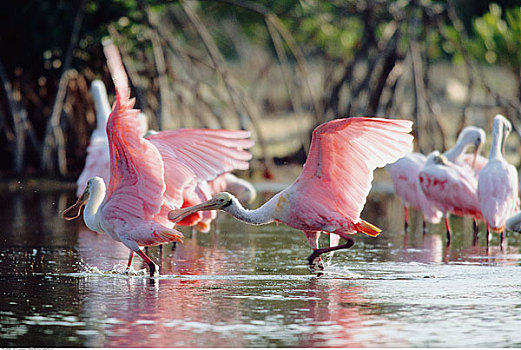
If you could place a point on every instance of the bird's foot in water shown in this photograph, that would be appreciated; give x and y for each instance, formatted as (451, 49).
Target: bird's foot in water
(315, 263)
(154, 269)
(317, 252)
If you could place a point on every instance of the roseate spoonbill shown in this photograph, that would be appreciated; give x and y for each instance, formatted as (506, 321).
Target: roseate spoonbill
(452, 187)
(497, 181)
(404, 175)
(449, 175)
(148, 176)
(331, 191)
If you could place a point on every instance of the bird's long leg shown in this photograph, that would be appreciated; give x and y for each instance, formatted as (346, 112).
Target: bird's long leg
(424, 225)
(475, 227)
(447, 227)
(154, 269)
(488, 235)
(129, 261)
(130, 258)
(312, 237)
(502, 240)
(406, 216)
(406, 226)
(317, 252)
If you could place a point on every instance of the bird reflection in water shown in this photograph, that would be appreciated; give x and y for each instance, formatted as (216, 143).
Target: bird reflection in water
(169, 313)
(338, 312)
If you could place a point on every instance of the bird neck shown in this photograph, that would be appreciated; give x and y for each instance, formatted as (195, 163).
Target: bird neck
(496, 147)
(459, 148)
(262, 215)
(101, 102)
(91, 213)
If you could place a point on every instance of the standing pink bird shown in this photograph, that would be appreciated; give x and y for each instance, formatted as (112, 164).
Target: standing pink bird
(404, 174)
(331, 191)
(453, 188)
(497, 182)
(149, 176)
(449, 180)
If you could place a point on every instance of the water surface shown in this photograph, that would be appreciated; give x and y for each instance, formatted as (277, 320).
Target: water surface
(249, 286)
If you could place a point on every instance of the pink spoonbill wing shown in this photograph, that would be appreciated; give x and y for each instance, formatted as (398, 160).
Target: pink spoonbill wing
(207, 152)
(136, 165)
(343, 154)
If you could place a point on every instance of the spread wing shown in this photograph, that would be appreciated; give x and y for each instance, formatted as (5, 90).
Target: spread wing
(136, 185)
(342, 157)
(206, 152)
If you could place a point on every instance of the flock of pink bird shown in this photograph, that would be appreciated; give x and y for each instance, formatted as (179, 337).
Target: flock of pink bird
(458, 183)
(150, 176)
(137, 185)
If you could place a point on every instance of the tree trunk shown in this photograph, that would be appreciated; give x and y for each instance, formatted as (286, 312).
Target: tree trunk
(17, 112)
(54, 139)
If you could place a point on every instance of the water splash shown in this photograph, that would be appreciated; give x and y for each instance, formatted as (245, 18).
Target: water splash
(118, 269)
(339, 271)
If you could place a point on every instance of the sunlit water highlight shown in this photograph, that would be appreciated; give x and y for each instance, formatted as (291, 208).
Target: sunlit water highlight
(247, 286)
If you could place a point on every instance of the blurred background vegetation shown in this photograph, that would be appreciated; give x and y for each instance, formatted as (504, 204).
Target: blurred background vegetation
(275, 67)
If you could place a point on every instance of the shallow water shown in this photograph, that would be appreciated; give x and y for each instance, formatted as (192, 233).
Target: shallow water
(247, 286)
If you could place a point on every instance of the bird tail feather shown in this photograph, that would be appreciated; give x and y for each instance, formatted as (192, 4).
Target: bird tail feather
(170, 235)
(367, 228)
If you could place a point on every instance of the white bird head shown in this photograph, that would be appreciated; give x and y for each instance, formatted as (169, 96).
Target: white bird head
(469, 136)
(93, 185)
(472, 135)
(502, 127)
(435, 157)
(440, 159)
